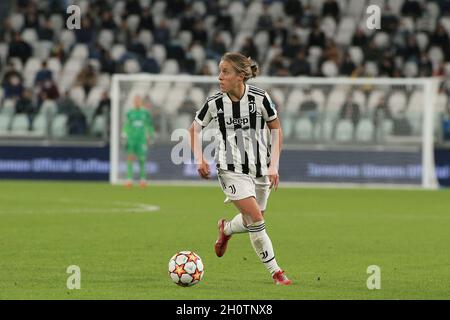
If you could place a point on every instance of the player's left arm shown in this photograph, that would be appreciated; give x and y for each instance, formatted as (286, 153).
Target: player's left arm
(277, 143)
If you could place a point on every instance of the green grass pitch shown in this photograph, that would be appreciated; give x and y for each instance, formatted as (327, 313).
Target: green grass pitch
(324, 238)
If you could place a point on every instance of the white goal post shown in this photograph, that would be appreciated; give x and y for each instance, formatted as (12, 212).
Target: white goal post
(412, 98)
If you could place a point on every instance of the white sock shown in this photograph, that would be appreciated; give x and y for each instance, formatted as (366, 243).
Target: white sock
(263, 246)
(236, 225)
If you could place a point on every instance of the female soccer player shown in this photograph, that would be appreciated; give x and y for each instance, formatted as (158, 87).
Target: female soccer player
(247, 155)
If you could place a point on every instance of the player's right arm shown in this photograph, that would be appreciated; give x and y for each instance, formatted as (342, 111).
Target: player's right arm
(202, 118)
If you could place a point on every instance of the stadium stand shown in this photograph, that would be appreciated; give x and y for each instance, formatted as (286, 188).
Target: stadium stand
(325, 38)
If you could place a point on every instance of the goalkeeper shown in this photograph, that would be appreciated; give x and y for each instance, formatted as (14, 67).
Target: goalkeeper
(138, 132)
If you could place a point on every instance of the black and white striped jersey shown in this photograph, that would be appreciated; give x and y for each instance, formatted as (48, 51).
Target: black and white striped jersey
(241, 132)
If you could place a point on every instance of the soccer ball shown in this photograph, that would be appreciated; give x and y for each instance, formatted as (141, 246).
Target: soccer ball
(186, 268)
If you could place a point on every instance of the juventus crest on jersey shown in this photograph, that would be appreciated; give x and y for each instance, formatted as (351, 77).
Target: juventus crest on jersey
(242, 135)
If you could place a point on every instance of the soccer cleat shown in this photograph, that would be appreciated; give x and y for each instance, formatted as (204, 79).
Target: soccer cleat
(143, 183)
(221, 244)
(280, 278)
(129, 184)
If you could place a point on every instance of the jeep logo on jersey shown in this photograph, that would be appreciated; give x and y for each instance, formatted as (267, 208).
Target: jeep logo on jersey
(240, 121)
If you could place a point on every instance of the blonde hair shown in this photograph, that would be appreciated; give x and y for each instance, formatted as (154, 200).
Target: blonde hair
(242, 64)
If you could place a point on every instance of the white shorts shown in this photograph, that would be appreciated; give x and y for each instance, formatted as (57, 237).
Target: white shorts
(238, 186)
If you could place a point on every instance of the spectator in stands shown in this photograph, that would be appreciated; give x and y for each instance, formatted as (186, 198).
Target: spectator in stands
(137, 47)
(133, 7)
(308, 19)
(425, 67)
(43, 74)
(389, 20)
(199, 33)
(381, 112)
(188, 19)
(104, 106)
(87, 78)
(19, 48)
(45, 31)
(76, 121)
(66, 104)
(265, 22)
(85, 34)
(47, 91)
(25, 105)
(293, 8)
(57, 6)
(22, 5)
(441, 39)
(161, 34)
(216, 48)
(372, 52)
(331, 8)
(347, 66)
(249, 49)
(277, 67)
(57, 51)
(411, 8)
(316, 37)
(359, 38)
(224, 21)
(107, 63)
(444, 7)
(278, 34)
(107, 21)
(146, 22)
(12, 82)
(292, 47)
(300, 66)
(386, 65)
(309, 108)
(205, 70)
(31, 18)
(350, 110)
(411, 51)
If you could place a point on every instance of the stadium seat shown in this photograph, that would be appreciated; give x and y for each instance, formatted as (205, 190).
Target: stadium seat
(158, 52)
(336, 99)
(67, 38)
(422, 40)
(371, 69)
(131, 66)
(8, 107)
(59, 126)
(197, 95)
(185, 37)
(344, 131)
(436, 55)
(356, 55)
(397, 101)
(98, 127)
(18, 65)
(182, 121)
(365, 130)
(5, 120)
(198, 53)
(55, 66)
(20, 124)
(356, 8)
(278, 97)
(29, 36)
(304, 129)
(396, 6)
(49, 108)
(118, 50)
(146, 38)
(106, 38)
(80, 51)
(330, 69)
(170, 67)
(32, 66)
(57, 23)
(345, 31)
(174, 101)
(39, 126)
(69, 73)
(294, 100)
(78, 95)
(381, 39)
(328, 26)
(4, 47)
(17, 21)
(133, 22)
(42, 49)
(199, 7)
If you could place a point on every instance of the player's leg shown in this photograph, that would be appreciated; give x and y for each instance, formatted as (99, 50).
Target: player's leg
(130, 159)
(260, 239)
(142, 158)
(238, 223)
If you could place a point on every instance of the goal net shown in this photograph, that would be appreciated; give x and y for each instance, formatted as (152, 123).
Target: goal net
(368, 131)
